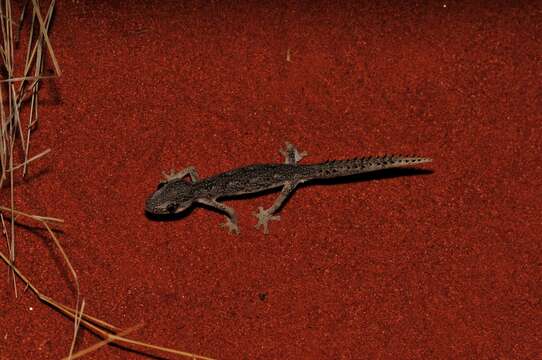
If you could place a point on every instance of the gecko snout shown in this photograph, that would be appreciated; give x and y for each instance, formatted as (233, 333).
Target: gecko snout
(165, 207)
(170, 198)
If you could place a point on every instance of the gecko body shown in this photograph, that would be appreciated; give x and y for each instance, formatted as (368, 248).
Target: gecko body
(176, 194)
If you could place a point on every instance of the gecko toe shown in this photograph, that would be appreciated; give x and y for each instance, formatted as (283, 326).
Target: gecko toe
(291, 154)
(264, 217)
(170, 175)
(231, 226)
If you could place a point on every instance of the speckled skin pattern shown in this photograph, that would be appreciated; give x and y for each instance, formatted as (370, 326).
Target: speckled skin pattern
(176, 194)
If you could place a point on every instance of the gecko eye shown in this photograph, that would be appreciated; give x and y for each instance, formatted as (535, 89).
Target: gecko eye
(172, 207)
(161, 185)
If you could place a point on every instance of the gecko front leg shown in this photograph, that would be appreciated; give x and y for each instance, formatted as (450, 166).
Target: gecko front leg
(181, 174)
(265, 215)
(291, 154)
(231, 217)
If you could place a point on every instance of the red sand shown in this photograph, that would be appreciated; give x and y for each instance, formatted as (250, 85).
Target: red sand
(445, 265)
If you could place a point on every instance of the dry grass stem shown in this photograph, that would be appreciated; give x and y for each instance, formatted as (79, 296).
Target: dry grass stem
(79, 308)
(104, 342)
(26, 162)
(27, 78)
(89, 322)
(45, 35)
(15, 92)
(33, 217)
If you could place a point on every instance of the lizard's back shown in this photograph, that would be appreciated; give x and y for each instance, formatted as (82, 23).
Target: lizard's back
(252, 178)
(260, 177)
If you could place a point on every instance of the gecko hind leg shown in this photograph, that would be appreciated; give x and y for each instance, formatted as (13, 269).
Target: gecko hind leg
(264, 216)
(191, 171)
(231, 217)
(291, 154)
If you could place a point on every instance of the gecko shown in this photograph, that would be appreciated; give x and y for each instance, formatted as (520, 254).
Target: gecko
(176, 194)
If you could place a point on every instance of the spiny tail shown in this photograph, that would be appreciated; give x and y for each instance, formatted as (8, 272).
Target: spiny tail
(338, 168)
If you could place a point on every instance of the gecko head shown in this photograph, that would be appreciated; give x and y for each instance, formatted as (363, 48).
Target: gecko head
(170, 197)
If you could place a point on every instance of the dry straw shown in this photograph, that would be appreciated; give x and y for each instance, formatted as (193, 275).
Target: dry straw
(16, 92)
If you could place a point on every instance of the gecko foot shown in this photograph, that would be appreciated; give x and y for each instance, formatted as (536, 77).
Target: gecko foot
(263, 219)
(232, 227)
(191, 171)
(169, 176)
(291, 154)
